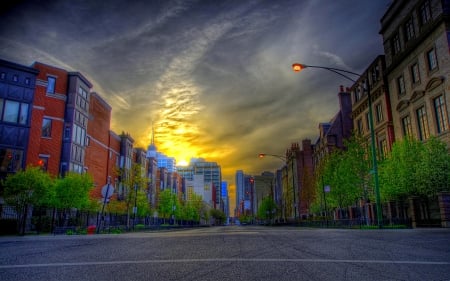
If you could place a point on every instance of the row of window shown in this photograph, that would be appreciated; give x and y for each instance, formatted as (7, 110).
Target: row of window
(414, 71)
(82, 99)
(15, 78)
(421, 16)
(379, 117)
(440, 115)
(14, 112)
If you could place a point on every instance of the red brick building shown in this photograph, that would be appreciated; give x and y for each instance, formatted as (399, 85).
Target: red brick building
(47, 118)
(103, 148)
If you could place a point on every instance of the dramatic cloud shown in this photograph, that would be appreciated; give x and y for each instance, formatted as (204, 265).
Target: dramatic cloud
(213, 77)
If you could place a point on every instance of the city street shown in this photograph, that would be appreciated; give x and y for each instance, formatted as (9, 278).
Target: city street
(231, 253)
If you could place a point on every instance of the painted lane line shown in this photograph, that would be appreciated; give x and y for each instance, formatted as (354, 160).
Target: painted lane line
(11, 266)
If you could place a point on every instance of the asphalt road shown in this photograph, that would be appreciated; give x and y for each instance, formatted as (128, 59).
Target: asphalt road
(231, 253)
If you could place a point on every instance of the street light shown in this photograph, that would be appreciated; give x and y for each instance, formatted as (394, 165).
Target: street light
(284, 159)
(297, 67)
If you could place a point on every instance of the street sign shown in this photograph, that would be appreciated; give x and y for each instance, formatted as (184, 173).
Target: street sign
(107, 191)
(326, 188)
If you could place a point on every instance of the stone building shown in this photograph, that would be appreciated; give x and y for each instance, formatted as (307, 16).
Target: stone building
(381, 106)
(416, 45)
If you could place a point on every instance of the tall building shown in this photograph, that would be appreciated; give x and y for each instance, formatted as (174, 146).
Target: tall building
(103, 146)
(416, 44)
(263, 188)
(381, 106)
(76, 119)
(225, 199)
(17, 83)
(212, 174)
(239, 182)
(48, 118)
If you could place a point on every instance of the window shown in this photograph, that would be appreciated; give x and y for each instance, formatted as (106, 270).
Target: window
(11, 111)
(82, 98)
(357, 94)
(409, 29)
(3, 75)
(406, 126)
(395, 44)
(431, 59)
(415, 75)
(14, 111)
(425, 12)
(43, 162)
(359, 126)
(78, 135)
(23, 119)
(401, 86)
(375, 74)
(441, 114)
(368, 121)
(15, 78)
(46, 128)
(1, 109)
(27, 81)
(10, 160)
(51, 81)
(424, 131)
(379, 111)
(382, 144)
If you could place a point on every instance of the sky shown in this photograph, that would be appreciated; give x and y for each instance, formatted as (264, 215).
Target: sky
(213, 78)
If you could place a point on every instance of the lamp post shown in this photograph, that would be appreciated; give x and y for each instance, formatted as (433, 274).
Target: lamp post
(297, 67)
(284, 159)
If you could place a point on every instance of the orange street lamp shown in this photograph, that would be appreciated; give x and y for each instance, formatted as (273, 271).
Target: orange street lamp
(297, 67)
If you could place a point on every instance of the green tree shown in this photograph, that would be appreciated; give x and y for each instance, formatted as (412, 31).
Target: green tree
(267, 209)
(72, 191)
(347, 172)
(168, 203)
(29, 187)
(399, 172)
(134, 183)
(433, 172)
(218, 216)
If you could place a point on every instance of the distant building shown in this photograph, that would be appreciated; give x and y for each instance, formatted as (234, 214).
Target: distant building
(263, 188)
(333, 133)
(239, 182)
(225, 199)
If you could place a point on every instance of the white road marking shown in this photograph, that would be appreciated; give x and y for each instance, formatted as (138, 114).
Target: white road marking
(221, 260)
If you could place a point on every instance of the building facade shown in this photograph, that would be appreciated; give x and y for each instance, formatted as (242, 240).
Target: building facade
(381, 106)
(416, 45)
(17, 84)
(332, 134)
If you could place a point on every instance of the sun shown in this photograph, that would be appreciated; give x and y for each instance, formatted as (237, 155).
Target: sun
(182, 163)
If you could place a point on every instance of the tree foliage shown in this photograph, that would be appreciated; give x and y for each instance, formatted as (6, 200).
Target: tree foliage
(267, 209)
(415, 168)
(72, 191)
(168, 203)
(29, 187)
(218, 216)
